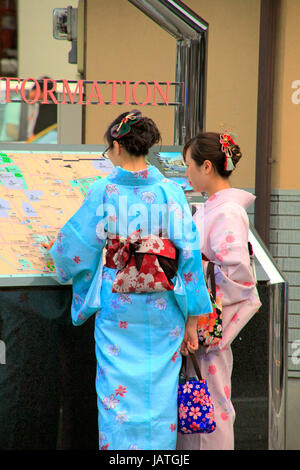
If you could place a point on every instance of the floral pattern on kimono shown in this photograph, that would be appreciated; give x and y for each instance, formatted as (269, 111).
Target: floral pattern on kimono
(138, 336)
(225, 243)
(224, 226)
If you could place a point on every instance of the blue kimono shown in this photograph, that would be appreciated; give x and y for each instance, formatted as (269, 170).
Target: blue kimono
(138, 335)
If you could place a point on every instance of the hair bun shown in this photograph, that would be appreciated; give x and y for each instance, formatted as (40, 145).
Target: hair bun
(137, 137)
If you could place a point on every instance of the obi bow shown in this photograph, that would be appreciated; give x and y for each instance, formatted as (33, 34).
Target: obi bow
(144, 264)
(121, 249)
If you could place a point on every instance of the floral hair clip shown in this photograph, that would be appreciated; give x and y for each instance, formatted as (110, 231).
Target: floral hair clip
(226, 142)
(124, 127)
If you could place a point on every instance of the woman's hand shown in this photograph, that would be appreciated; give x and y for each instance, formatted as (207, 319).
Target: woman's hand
(49, 245)
(190, 342)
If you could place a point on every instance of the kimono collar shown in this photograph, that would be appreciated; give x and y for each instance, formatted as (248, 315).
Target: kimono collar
(239, 196)
(150, 175)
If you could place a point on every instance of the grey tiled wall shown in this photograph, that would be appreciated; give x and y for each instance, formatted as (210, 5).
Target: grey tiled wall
(285, 249)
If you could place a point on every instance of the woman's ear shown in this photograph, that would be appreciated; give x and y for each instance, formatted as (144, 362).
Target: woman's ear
(208, 166)
(116, 147)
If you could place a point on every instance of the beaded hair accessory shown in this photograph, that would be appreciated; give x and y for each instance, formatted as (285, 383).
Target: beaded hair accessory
(124, 127)
(227, 142)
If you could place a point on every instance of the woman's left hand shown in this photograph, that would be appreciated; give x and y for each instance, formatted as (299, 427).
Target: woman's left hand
(190, 342)
(49, 245)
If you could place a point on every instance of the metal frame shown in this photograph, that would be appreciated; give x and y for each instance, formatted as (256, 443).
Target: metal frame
(278, 343)
(190, 32)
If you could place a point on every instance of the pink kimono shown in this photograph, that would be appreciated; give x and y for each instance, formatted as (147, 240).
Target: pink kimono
(224, 228)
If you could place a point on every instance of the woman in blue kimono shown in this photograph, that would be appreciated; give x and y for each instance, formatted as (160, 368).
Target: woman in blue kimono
(146, 310)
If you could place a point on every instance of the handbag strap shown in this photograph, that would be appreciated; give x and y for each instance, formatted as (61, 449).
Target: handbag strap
(195, 364)
(210, 272)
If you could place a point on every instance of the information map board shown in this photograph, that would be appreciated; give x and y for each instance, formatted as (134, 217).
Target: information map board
(39, 191)
(41, 187)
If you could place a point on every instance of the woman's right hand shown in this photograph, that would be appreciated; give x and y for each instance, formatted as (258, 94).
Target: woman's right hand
(190, 342)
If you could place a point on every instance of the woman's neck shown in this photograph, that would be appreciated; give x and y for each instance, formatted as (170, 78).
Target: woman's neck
(218, 185)
(134, 164)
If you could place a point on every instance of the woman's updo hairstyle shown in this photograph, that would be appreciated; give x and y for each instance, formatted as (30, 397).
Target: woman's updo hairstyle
(142, 136)
(207, 146)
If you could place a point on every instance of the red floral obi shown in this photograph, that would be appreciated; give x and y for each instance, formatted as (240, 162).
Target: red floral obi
(144, 264)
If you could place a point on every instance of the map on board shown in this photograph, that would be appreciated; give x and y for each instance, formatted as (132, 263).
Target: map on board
(39, 192)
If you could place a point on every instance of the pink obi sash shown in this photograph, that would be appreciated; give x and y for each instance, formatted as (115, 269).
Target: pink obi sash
(145, 264)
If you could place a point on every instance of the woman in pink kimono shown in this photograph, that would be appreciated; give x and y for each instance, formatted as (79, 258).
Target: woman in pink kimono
(224, 227)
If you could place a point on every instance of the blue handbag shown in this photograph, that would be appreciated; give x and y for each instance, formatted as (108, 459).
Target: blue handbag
(195, 407)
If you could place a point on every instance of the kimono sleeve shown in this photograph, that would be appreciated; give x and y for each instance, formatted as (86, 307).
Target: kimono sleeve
(77, 253)
(228, 242)
(190, 287)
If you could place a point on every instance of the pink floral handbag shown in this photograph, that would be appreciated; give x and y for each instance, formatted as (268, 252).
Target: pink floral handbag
(195, 407)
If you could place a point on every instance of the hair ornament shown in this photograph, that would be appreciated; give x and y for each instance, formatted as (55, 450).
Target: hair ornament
(227, 142)
(124, 127)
